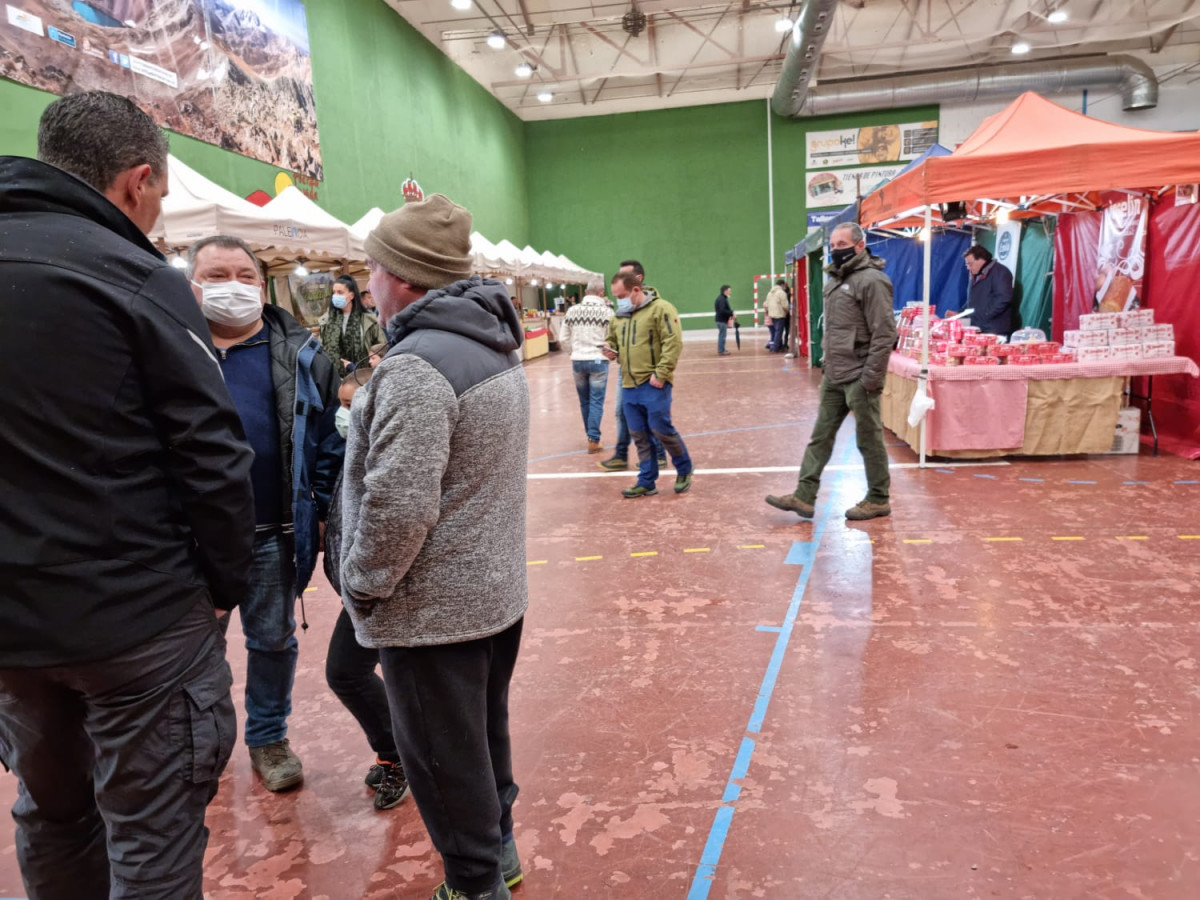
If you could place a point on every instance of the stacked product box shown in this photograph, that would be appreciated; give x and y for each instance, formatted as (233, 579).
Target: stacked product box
(1120, 336)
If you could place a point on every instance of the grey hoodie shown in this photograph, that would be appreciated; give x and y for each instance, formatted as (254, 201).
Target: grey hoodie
(433, 500)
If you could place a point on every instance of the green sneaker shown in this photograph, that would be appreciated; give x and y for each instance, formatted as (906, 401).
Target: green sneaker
(500, 892)
(510, 864)
(632, 493)
(662, 462)
(683, 482)
(615, 464)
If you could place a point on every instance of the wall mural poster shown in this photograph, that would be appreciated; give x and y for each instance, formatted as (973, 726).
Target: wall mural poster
(873, 144)
(235, 73)
(1121, 263)
(841, 187)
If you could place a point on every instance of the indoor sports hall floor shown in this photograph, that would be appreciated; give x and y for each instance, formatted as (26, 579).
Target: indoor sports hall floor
(993, 693)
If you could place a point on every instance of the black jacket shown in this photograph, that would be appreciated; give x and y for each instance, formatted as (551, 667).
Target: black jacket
(724, 312)
(991, 296)
(125, 476)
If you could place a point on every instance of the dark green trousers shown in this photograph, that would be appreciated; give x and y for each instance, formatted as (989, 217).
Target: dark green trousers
(837, 401)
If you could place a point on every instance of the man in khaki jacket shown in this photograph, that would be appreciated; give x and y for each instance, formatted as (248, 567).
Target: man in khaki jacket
(860, 331)
(647, 340)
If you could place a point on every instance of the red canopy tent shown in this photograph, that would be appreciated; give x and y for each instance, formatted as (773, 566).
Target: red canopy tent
(1040, 158)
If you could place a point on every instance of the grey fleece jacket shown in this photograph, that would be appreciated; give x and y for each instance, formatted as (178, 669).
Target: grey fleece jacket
(433, 496)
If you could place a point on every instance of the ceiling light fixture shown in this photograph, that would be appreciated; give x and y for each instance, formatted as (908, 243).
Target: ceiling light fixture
(533, 282)
(178, 262)
(496, 40)
(461, 4)
(1057, 17)
(524, 70)
(545, 96)
(1020, 48)
(633, 22)
(1002, 215)
(784, 24)
(300, 271)
(508, 281)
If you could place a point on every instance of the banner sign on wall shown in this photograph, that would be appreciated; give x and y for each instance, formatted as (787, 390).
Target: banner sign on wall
(1008, 245)
(235, 73)
(840, 187)
(817, 219)
(1122, 259)
(873, 144)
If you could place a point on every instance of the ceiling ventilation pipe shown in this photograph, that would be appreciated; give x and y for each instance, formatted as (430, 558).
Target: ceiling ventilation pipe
(1135, 80)
(800, 63)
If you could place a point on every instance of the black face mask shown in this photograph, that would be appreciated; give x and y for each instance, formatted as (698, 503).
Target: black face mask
(843, 256)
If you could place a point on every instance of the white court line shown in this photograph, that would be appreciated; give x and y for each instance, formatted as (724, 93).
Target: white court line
(764, 470)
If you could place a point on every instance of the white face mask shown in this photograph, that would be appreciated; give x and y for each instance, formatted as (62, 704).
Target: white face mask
(231, 303)
(341, 421)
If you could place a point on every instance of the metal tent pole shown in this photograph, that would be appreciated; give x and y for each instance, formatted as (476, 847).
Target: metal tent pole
(922, 382)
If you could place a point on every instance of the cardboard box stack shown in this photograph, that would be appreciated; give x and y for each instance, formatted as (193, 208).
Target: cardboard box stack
(953, 344)
(1120, 336)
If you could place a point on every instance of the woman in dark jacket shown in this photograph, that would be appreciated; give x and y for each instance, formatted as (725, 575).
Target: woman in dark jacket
(348, 330)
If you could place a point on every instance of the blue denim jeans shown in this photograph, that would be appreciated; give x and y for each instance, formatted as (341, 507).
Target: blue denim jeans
(622, 449)
(722, 328)
(648, 412)
(591, 383)
(269, 624)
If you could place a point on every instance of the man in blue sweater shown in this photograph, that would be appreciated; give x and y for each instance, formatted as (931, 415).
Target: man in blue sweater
(285, 390)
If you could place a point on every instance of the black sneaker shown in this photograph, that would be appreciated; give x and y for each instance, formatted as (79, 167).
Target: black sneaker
(615, 464)
(375, 775)
(393, 788)
(510, 864)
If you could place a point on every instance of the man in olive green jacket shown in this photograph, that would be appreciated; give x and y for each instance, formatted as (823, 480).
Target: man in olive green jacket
(647, 340)
(860, 331)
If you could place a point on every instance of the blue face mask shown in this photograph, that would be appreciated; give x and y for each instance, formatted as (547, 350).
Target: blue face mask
(624, 304)
(339, 301)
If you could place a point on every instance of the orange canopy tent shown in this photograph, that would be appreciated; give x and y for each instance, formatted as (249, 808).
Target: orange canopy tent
(1037, 157)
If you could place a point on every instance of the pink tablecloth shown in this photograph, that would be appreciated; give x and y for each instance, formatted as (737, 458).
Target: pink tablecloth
(1167, 365)
(956, 423)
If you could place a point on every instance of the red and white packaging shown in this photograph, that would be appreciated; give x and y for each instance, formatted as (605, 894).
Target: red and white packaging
(1097, 321)
(981, 361)
(1024, 359)
(1154, 333)
(1126, 351)
(937, 359)
(1158, 349)
(1093, 354)
(1059, 358)
(1005, 350)
(1136, 318)
(981, 340)
(1085, 338)
(1120, 337)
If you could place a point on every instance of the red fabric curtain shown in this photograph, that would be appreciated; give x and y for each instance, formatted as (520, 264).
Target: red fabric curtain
(1173, 291)
(1076, 252)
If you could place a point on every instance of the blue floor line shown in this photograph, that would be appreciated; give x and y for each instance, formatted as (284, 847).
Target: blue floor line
(774, 628)
(1187, 482)
(1038, 480)
(801, 553)
(1072, 481)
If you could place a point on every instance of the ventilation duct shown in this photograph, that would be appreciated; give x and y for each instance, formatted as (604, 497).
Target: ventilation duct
(1135, 80)
(800, 63)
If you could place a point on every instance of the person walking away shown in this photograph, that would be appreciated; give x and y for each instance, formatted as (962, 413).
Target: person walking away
(619, 461)
(780, 312)
(584, 330)
(433, 515)
(724, 317)
(348, 329)
(286, 393)
(127, 520)
(648, 342)
(860, 330)
(989, 292)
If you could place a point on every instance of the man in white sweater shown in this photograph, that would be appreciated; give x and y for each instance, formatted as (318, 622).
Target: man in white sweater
(583, 333)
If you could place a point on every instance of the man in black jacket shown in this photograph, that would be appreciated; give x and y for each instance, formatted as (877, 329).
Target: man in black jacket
(285, 390)
(990, 292)
(724, 316)
(127, 517)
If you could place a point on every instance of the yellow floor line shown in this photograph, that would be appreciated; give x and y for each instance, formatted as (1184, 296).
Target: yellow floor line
(587, 558)
(751, 546)
(536, 562)
(918, 540)
(1004, 539)
(697, 550)
(647, 553)
(1189, 537)
(1133, 537)
(1068, 539)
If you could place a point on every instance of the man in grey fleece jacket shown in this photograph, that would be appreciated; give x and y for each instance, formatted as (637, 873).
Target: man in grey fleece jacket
(433, 549)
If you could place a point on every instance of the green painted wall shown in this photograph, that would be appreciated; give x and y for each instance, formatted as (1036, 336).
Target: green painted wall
(389, 104)
(683, 190)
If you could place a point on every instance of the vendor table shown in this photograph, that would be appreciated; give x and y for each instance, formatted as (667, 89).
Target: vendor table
(537, 343)
(987, 411)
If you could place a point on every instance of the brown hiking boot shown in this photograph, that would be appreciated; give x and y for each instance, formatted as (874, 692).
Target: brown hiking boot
(865, 509)
(792, 503)
(594, 447)
(278, 766)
